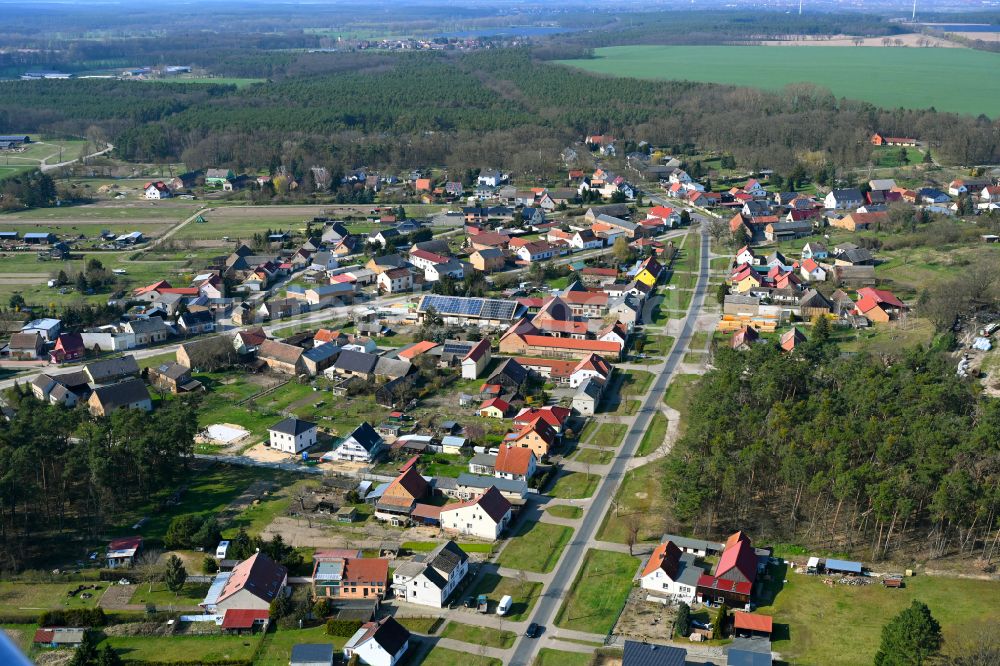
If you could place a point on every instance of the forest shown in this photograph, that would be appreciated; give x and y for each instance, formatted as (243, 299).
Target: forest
(502, 108)
(65, 475)
(873, 456)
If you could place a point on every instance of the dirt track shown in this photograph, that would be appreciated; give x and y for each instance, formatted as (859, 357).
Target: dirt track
(909, 39)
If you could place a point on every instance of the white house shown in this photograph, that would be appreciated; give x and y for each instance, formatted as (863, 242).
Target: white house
(292, 435)
(395, 280)
(362, 445)
(381, 643)
(491, 178)
(671, 574)
(812, 271)
(592, 367)
(431, 581)
(745, 256)
(452, 268)
(843, 199)
(585, 239)
(755, 189)
(486, 516)
(476, 359)
(815, 251)
(252, 585)
(156, 190)
(956, 188)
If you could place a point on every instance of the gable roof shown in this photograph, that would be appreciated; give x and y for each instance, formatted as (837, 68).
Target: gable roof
(492, 502)
(365, 436)
(410, 480)
(738, 554)
(259, 575)
(122, 393)
(279, 351)
(390, 635)
(513, 460)
(355, 361)
(112, 367)
(292, 426)
(652, 654)
(667, 557)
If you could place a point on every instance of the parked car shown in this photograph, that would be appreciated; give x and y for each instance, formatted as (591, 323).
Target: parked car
(533, 630)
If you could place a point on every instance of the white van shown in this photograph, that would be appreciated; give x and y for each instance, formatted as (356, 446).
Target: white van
(504, 606)
(221, 550)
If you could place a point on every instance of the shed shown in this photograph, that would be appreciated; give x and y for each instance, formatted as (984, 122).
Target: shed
(312, 654)
(751, 625)
(749, 652)
(843, 566)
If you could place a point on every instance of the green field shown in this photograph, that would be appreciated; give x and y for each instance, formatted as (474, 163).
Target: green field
(535, 547)
(842, 625)
(479, 635)
(574, 485)
(599, 592)
(550, 657)
(957, 80)
(440, 656)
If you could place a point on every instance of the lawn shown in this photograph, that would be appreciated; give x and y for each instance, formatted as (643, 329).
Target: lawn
(440, 656)
(676, 394)
(962, 82)
(888, 156)
(277, 650)
(479, 635)
(657, 345)
(565, 511)
(593, 457)
(191, 594)
(700, 340)
(608, 435)
(188, 649)
(523, 594)
(720, 263)
(655, 433)
(695, 358)
(428, 546)
(842, 625)
(574, 485)
(641, 498)
(535, 547)
(23, 597)
(550, 657)
(421, 625)
(599, 592)
(636, 382)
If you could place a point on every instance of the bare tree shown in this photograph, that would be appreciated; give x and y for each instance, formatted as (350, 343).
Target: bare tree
(631, 531)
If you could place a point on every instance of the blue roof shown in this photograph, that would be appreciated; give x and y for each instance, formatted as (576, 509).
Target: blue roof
(843, 565)
(38, 234)
(215, 591)
(322, 352)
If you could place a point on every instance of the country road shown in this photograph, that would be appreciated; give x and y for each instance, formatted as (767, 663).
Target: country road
(58, 165)
(585, 537)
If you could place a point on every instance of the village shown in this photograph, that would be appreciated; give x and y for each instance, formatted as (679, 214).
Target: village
(423, 436)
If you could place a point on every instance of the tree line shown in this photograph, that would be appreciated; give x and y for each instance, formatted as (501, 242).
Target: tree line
(864, 455)
(63, 472)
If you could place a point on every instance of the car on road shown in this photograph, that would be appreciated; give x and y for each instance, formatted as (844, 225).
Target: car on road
(533, 630)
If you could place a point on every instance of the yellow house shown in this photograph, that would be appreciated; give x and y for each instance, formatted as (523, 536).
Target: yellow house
(494, 408)
(746, 283)
(650, 272)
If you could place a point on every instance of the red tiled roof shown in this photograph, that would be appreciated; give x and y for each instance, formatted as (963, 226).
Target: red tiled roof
(513, 460)
(366, 570)
(259, 575)
(713, 583)
(125, 543)
(492, 502)
(738, 554)
(751, 622)
(428, 511)
(880, 296)
(243, 618)
(604, 272)
(666, 556)
(499, 403)
(570, 343)
(478, 350)
(554, 416)
(417, 349)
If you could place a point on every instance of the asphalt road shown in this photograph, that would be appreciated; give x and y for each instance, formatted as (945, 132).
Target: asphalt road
(562, 579)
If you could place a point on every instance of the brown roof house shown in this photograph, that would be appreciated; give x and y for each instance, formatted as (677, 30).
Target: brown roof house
(401, 496)
(282, 358)
(26, 346)
(208, 353)
(173, 377)
(129, 394)
(252, 585)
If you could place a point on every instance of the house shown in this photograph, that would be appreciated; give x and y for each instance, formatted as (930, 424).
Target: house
(156, 190)
(173, 377)
(487, 260)
(312, 654)
(281, 358)
(930, 195)
(815, 251)
(196, 321)
(533, 251)
(652, 654)
(514, 463)
(812, 271)
(989, 194)
(538, 436)
(252, 585)
(338, 577)
(744, 338)
(248, 341)
(55, 637)
(26, 346)
(649, 272)
(554, 415)
(485, 517)
(395, 280)
(65, 389)
(671, 574)
(491, 178)
(147, 331)
(48, 328)
(698, 547)
(430, 580)
(878, 305)
(292, 435)
(401, 496)
(843, 199)
(734, 576)
(219, 178)
(129, 394)
(362, 445)
(859, 221)
(122, 552)
(379, 643)
(207, 354)
(791, 339)
(588, 397)
(494, 408)
(476, 360)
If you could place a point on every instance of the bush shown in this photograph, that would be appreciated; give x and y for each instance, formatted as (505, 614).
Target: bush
(73, 617)
(209, 565)
(322, 608)
(342, 627)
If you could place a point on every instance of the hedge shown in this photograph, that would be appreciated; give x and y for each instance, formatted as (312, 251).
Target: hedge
(342, 627)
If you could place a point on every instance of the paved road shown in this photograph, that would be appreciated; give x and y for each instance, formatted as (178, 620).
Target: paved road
(50, 167)
(586, 535)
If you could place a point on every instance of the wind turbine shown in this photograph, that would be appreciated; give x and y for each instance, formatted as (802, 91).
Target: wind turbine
(913, 18)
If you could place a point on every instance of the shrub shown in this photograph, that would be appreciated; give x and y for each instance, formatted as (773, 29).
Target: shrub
(209, 565)
(73, 617)
(342, 627)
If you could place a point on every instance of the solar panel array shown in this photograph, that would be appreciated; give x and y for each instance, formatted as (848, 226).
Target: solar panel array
(486, 308)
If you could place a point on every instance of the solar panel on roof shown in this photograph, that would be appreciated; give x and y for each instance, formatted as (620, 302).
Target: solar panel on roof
(469, 307)
(457, 348)
(494, 309)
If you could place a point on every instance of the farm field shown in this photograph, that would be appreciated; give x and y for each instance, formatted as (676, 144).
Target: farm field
(962, 83)
(842, 625)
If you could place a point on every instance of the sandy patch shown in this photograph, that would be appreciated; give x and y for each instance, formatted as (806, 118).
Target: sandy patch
(262, 453)
(222, 433)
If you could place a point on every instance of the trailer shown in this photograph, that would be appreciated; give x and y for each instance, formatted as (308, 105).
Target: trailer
(483, 603)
